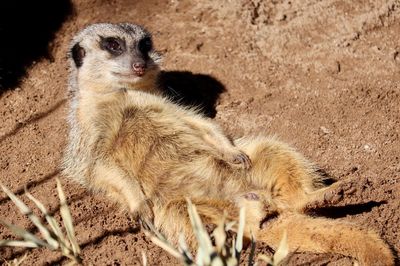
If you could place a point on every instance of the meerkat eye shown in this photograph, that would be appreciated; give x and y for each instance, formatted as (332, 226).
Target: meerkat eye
(145, 45)
(112, 45)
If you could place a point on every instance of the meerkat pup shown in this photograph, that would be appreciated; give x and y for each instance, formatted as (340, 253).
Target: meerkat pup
(148, 154)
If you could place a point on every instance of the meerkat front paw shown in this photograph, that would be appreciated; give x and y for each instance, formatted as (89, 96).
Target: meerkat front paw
(239, 160)
(251, 196)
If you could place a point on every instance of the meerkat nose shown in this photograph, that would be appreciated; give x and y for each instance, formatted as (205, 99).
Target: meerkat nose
(139, 69)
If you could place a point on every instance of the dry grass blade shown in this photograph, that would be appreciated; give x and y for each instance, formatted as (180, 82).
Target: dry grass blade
(18, 243)
(164, 246)
(239, 241)
(160, 240)
(24, 209)
(200, 257)
(53, 244)
(188, 258)
(16, 261)
(54, 237)
(53, 224)
(153, 230)
(205, 246)
(27, 236)
(282, 251)
(67, 219)
(233, 249)
(220, 236)
(144, 259)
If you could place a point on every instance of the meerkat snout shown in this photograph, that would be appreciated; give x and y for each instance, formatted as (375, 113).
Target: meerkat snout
(139, 69)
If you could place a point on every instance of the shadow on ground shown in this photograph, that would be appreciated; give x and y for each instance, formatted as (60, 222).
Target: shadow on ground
(194, 90)
(335, 212)
(26, 29)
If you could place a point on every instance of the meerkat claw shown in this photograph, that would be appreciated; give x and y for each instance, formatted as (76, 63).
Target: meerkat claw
(242, 160)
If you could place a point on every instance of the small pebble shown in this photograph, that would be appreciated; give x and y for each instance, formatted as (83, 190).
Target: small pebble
(325, 130)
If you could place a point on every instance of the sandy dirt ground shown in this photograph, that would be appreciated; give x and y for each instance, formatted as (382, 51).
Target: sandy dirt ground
(323, 76)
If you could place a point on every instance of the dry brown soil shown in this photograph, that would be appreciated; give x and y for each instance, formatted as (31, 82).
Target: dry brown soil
(322, 75)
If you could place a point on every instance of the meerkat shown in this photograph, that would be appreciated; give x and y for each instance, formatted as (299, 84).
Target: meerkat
(148, 154)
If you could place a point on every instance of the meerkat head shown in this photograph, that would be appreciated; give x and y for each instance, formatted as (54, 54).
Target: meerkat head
(108, 56)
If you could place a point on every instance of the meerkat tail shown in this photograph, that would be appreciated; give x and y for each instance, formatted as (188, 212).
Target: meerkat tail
(323, 235)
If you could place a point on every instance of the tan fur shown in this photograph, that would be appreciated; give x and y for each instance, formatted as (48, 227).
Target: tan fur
(149, 155)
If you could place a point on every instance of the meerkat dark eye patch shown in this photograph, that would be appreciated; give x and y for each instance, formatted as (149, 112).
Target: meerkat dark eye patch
(145, 45)
(114, 46)
(78, 53)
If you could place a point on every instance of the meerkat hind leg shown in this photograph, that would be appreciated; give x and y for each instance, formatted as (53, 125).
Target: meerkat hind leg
(306, 234)
(329, 195)
(290, 179)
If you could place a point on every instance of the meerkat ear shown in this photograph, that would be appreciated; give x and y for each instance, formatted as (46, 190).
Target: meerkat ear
(78, 53)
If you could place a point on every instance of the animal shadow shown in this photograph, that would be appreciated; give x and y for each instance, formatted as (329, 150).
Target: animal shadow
(27, 28)
(335, 212)
(193, 90)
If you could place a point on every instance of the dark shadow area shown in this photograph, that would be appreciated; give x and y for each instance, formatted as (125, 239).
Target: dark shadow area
(26, 29)
(194, 90)
(343, 211)
(32, 119)
(72, 199)
(270, 216)
(117, 232)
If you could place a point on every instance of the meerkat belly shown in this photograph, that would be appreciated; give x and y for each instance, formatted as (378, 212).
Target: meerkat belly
(154, 145)
(194, 174)
(174, 167)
